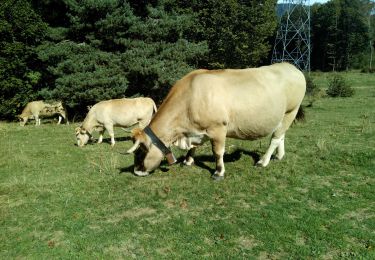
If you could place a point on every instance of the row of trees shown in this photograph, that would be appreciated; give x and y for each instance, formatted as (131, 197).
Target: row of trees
(343, 33)
(81, 52)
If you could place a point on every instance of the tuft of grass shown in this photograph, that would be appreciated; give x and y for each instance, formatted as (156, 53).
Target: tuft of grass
(61, 201)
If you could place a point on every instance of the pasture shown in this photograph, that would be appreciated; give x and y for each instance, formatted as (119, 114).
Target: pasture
(61, 201)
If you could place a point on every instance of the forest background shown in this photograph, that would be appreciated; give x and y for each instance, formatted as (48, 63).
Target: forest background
(82, 52)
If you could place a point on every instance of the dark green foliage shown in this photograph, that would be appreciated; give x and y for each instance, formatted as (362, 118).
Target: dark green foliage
(88, 51)
(21, 29)
(338, 87)
(368, 70)
(83, 75)
(109, 52)
(311, 87)
(340, 34)
(237, 32)
(313, 91)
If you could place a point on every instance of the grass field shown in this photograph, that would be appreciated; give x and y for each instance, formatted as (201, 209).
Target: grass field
(60, 201)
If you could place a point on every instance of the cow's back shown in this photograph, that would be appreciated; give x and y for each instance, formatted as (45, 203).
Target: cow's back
(124, 111)
(32, 108)
(250, 102)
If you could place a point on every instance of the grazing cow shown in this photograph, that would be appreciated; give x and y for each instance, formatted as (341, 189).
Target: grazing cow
(122, 112)
(245, 104)
(37, 109)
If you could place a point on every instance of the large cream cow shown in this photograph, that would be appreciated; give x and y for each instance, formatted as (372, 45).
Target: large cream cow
(244, 104)
(123, 112)
(37, 109)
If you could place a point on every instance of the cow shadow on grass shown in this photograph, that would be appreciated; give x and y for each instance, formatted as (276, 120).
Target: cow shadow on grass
(202, 160)
(107, 140)
(117, 139)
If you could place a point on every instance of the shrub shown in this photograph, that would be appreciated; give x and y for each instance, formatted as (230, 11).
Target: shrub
(311, 87)
(312, 90)
(338, 87)
(368, 70)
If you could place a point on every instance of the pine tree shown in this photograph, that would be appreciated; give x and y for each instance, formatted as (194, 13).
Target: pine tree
(21, 29)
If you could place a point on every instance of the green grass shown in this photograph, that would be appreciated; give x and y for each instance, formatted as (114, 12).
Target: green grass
(60, 201)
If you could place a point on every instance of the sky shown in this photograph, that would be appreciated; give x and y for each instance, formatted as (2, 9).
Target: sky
(311, 1)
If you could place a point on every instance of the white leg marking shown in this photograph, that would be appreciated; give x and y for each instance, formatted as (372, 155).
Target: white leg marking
(60, 118)
(267, 156)
(140, 173)
(100, 138)
(220, 163)
(112, 139)
(281, 149)
(189, 161)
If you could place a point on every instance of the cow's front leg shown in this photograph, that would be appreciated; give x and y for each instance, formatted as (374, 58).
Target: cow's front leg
(189, 159)
(60, 118)
(37, 120)
(101, 133)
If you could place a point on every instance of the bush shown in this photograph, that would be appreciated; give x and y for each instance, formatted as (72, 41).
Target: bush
(368, 70)
(311, 88)
(338, 87)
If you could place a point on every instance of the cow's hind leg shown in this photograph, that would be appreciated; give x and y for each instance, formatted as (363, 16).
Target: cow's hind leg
(278, 137)
(217, 137)
(111, 133)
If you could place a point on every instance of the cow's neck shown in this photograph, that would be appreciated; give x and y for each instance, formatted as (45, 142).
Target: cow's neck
(89, 124)
(166, 126)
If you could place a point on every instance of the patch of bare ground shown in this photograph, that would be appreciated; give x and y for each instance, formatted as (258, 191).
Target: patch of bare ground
(268, 256)
(247, 242)
(131, 214)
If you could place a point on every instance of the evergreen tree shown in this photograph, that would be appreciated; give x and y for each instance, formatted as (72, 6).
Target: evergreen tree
(107, 51)
(237, 32)
(21, 29)
(340, 33)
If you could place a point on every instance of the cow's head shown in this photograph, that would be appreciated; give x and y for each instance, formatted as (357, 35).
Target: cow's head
(22, 120)
(82, 136)
(147, 156)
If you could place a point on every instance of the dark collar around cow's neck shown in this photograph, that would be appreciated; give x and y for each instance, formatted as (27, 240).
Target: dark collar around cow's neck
(160, 145)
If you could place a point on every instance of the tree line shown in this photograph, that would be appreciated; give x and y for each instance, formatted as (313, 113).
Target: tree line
(85, 51)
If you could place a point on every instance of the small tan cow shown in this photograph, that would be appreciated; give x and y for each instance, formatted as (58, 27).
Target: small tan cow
(124, 112)
(37, 109)
(204, 105)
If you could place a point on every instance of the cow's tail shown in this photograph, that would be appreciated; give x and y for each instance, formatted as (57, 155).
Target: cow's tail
(300, 114)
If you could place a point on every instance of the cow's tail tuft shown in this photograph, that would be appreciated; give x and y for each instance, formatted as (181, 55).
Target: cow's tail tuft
(300, 114)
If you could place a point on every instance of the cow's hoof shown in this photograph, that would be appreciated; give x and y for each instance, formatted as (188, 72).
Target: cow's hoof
(216, 177)
(188, 162)
(261, 164)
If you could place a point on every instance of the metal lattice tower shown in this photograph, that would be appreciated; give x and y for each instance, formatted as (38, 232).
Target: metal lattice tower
(292, 43)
